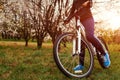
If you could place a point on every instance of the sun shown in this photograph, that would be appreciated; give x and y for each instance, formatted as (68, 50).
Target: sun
(112, 19)
(114, 22)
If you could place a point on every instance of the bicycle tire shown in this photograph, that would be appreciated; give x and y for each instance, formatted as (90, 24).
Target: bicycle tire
(62, 67)
(100, 59)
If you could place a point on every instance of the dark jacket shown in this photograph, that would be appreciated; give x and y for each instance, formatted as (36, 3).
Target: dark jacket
(84, 13)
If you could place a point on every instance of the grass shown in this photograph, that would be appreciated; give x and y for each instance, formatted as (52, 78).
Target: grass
(27, 63)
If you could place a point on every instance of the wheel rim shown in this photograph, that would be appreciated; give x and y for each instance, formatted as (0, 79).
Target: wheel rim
(67, 61)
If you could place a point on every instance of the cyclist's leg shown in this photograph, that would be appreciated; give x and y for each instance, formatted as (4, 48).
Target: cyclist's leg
(89, 28)
(82, 54)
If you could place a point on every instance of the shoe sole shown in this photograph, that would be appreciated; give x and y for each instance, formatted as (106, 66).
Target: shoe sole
(78, 71)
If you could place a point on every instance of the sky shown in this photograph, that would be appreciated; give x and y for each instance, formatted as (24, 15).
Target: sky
(108, 12)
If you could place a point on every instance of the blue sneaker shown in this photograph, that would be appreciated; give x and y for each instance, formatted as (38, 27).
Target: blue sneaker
(78, 68)
(106, 60)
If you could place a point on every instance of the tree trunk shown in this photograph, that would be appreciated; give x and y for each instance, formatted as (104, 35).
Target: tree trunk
(53, 39)
(26, 43)
(39, 42)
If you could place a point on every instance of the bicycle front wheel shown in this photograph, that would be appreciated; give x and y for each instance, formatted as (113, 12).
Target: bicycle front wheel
(66, 61)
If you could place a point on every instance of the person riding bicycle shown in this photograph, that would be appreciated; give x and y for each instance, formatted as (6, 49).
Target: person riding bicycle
(83, 11)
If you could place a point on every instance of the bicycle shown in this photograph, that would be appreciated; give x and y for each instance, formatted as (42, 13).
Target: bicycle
(72, 48)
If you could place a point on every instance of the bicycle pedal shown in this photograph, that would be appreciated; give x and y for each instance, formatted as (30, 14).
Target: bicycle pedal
(78, 71)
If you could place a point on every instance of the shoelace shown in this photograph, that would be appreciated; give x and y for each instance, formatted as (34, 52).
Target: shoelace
(104, 58)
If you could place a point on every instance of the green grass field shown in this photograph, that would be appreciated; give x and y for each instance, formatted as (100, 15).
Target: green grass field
(28, 63)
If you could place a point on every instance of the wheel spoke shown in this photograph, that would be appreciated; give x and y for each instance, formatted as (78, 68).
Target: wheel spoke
(65, 59)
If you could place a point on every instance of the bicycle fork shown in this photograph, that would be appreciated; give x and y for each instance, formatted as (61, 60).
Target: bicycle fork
(77, 40)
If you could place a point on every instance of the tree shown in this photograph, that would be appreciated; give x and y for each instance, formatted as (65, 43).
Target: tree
(46, 16)
(36, 18)
(26, 28)
(116, 37)
(54, 12)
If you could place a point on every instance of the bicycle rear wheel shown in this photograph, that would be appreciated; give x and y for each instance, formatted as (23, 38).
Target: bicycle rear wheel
(99, 55)
(65, 59)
